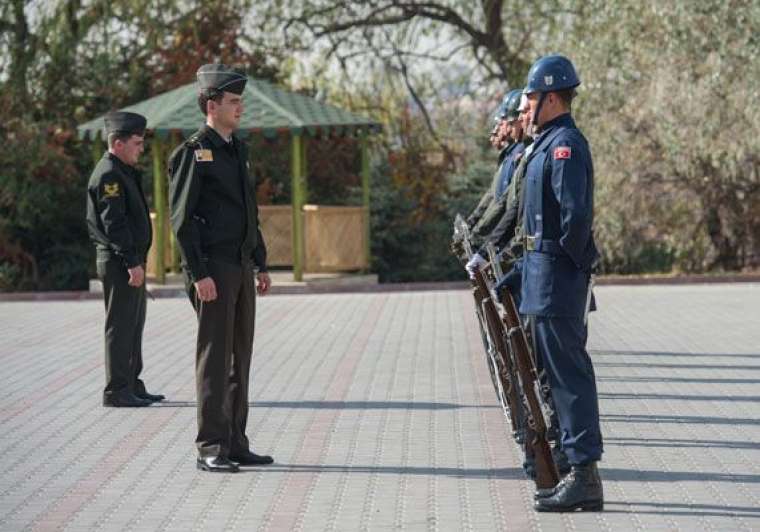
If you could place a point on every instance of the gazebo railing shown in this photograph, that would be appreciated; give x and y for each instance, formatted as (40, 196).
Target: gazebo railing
(334, 239)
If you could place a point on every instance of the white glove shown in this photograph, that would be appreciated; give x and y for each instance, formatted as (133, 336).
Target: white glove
(474, 264)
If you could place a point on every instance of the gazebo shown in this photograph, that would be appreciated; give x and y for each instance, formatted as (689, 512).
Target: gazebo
(269, 111)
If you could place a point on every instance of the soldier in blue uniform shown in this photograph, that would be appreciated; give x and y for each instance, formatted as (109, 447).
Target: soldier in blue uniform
(559, 255)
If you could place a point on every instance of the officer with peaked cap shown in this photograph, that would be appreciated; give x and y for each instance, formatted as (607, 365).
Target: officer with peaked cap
(119, 225)
(559, 256)
(215, 218)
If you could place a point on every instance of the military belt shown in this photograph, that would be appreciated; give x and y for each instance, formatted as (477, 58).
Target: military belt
(551, 247)
(102, 254)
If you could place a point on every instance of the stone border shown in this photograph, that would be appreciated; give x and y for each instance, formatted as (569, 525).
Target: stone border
(327, 288)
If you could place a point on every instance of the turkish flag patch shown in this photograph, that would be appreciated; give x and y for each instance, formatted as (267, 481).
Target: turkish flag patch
(562, 152)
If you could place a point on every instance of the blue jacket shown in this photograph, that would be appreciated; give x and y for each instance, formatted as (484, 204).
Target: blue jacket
(559, 215)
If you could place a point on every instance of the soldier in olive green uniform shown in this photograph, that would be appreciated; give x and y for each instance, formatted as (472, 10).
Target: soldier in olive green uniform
(119, 226)
(500, 141)
(215, 219)
(508, 158)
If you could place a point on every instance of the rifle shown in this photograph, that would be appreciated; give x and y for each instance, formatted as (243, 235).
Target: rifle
(460, 242)
(462, 248)
(509, 340)
(507, 382)
(537, 443)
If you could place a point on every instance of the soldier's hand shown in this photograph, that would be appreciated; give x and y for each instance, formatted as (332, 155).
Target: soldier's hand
(475, 263)
(136, 276)
(206, 289)
(263, 282)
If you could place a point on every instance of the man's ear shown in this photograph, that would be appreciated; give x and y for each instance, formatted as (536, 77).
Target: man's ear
(210, 106)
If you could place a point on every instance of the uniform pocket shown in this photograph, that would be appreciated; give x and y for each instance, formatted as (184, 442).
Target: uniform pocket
(540, 274)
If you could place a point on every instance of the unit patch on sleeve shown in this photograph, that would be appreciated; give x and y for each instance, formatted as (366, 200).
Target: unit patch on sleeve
(562, 152)
(111, 190)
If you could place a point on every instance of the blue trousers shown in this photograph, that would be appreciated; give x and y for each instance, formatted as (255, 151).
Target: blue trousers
(561, 344)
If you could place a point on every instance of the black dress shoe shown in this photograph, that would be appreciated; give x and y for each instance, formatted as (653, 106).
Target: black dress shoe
(249, 458)
(217, 464)
(580, 490)
(124, 398)
(150, 397)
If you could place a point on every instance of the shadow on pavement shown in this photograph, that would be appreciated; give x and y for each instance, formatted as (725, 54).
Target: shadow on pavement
(506, 473)
(690, 380)
(676, 443)
(601, 352)
(341, 405)
(646, 475)
(728, 367)
(651, 418)
(663, 508)
(512, 473)
(678, 397)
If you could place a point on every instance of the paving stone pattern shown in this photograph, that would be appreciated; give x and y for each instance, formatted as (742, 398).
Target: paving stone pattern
(380, 413)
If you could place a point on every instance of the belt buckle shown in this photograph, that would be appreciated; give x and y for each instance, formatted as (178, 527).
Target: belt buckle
(530, 243)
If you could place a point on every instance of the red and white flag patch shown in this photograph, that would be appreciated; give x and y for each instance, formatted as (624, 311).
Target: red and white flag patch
(562, 152)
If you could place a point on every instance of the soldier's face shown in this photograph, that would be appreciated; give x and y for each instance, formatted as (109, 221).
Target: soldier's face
(517, 130)
(525, 119)
(504, 128)
(130, 150)
(228, 112)
(533, 104)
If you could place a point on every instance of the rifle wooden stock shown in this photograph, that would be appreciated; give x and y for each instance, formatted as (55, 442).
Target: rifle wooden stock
(507, 375)
(536, 440)
(485, 336)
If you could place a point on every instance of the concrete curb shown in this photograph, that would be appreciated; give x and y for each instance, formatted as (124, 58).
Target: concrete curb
(325, 288)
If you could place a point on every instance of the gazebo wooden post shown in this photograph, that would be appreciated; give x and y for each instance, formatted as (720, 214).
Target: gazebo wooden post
(97, 149)
(172, 237)
(159, 204)
(366, 197)
(298, 198)
(304, 169)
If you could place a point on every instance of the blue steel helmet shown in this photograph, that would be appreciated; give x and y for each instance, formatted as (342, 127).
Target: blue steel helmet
(552, 73)
(501, 111)
(512, 104)
(507, 109)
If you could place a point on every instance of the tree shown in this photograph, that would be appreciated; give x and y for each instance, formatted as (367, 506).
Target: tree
(674, 132)
(439, 50)
(66, 61)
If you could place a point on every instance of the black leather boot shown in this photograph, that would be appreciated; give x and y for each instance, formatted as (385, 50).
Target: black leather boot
(561, 461)
(529, 466)
(580, 490)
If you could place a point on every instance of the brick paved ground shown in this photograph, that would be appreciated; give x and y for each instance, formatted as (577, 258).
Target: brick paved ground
(379, 411)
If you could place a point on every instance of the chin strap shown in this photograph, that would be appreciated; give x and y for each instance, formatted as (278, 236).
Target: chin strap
(534, 120)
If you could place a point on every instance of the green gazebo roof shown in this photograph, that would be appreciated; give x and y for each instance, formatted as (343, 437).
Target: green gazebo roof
(268, 111)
